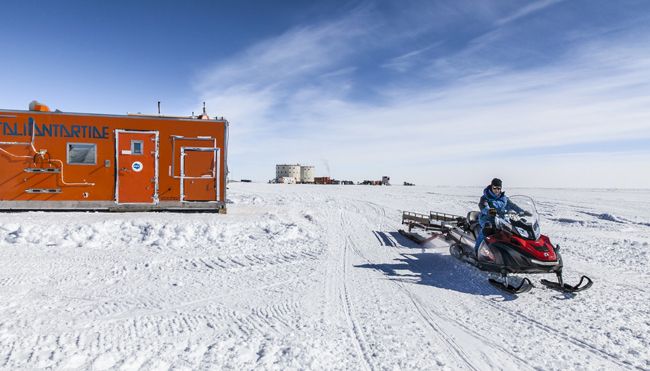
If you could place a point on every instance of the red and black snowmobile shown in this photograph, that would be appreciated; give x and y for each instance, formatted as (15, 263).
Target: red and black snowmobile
(513, 244)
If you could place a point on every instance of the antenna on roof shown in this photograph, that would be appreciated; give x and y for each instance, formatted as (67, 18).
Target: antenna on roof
(204, 109)
(158, 108)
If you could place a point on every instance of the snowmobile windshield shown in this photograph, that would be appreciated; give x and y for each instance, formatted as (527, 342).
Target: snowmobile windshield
(523, 216)
(523, 207)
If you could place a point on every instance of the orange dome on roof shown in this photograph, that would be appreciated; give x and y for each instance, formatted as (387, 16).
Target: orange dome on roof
(40, 107)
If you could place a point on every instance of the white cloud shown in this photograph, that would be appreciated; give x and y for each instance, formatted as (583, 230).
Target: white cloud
(406, 61)
(526, 11)
(293, 55)
(288, 99)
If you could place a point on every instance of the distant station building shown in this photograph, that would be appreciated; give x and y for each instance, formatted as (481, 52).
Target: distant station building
(385, 180)
(287, 171)
(306, 174)
(286, 180)
(323, 180)
(296, 172)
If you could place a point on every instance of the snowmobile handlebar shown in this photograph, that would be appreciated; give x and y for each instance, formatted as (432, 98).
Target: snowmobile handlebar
(508, 216)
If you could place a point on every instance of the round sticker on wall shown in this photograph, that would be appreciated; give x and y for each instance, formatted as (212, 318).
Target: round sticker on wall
(137, 166)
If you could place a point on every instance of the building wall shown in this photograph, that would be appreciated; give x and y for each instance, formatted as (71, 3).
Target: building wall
(56, 130)
(322, 180)
(283, 171)
(307, 174)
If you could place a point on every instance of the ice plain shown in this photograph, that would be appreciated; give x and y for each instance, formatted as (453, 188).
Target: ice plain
(317, 277)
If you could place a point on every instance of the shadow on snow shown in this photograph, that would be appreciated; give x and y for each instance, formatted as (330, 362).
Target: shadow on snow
(432, 269)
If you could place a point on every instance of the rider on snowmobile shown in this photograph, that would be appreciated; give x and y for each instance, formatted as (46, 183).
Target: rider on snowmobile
(494, 201)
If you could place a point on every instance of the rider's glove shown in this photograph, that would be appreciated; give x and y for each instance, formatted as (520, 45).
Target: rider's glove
(527, 213)
(492, 212)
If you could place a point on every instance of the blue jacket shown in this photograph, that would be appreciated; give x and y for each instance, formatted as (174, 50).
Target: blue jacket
(490, 200)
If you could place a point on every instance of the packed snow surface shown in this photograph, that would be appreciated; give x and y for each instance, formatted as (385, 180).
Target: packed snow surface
(317, 277)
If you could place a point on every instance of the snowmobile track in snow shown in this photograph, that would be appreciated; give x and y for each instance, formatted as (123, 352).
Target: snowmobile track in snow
(571, 339)
(441, 317)
(428, 317)
(359, 340)
(314, 277)
(604, 355)
(447, 340)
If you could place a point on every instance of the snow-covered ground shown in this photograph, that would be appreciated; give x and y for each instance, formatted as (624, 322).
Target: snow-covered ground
(316, 277)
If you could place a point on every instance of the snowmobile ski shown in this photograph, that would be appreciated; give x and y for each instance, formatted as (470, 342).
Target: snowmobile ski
(559, 286)
(524, 286)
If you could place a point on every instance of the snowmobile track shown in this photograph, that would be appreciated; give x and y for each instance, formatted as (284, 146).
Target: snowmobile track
(359, 340)
(428, 317)
(432, 322)
(571, 339)
(440, 333)
(276, 285)
(449, 342)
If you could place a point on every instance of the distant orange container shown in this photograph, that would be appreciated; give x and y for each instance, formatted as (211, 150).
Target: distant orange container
(56, 160)
(322, 180)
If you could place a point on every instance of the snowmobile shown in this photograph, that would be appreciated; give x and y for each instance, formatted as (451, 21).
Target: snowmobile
(513, 244)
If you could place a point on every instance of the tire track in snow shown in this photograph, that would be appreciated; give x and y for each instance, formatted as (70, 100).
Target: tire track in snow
(483, 338)
(15, 280)
(440, 333)
(428, 316)
(359, 340)
(447, 340)
(114, 317)
(196, 303)
(144, 332)
(207, 263)
(152, 315)
(571, 339)
(582, 344)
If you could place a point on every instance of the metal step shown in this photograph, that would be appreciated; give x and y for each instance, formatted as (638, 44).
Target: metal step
(43, 190)
(41, 170)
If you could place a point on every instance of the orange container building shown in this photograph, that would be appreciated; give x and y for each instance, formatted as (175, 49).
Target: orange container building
(74, 161)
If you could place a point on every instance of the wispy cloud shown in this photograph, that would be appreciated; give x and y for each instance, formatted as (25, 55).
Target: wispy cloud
(526, 11)
(299, 97)
(300, 52)
(405, 62)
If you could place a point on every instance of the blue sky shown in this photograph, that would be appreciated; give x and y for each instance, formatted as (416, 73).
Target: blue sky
(540, 93)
